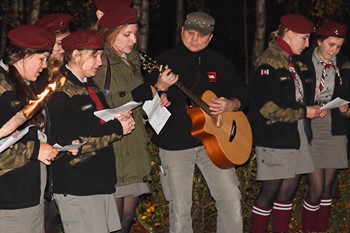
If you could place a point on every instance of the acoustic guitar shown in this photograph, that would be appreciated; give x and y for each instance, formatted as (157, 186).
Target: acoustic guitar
(227, 137)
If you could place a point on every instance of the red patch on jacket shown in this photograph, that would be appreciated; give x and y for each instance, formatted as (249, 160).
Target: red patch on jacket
(212, 77)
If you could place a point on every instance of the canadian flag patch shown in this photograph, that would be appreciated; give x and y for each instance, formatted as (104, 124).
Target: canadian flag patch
(264, 72)
(212, 77)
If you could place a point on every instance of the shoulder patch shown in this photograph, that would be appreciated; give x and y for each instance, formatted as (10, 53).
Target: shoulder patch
(302, 66)
(346, 65)
(71, 90)
(4, 85)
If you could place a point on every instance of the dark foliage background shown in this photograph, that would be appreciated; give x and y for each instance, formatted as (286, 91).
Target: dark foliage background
(229, 30)
(229, 39)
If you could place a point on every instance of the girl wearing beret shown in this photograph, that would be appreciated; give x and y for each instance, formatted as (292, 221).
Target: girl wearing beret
(83, 185)
(121, 80)
(326, 74)
(277, 113)
(58, 23)
(22, 179)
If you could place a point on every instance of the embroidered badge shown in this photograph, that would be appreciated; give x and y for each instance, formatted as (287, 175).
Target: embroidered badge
(15, 103)
(86, 107)
(212, 77)
(264, 72)
(284, 78)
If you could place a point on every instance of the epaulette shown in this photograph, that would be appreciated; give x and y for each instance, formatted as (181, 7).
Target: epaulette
(346, 65)
(274, 57)
(4, 85)
(302, 66)
(71, 89)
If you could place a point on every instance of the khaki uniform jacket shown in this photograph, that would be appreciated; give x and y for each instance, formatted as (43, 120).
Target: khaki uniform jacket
(132, 155)
(274, 111)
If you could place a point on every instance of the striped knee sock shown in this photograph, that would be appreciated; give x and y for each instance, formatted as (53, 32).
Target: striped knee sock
(323, 214)
(309, 216)
(281, 213)
(260, 219)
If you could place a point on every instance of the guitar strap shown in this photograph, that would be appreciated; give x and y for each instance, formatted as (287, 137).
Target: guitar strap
(107, 79)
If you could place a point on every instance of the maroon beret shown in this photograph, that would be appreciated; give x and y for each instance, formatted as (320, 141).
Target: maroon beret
(297, 23)
(111, 19)
(83, 39)
(331, 28)
(32, 37)
(106, 5)
(54, 22)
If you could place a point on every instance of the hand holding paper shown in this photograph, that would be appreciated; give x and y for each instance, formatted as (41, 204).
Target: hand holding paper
(157, 114)
(68, 147)
(110, 114)
(337, 102)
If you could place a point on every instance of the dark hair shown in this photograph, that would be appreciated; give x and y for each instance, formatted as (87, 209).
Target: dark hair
(22, 90)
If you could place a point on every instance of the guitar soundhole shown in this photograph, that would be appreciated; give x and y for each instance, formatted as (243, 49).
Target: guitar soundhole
(217, 120)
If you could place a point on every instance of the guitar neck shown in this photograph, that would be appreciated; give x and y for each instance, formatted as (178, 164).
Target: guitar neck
(150, 65)
(193, 97)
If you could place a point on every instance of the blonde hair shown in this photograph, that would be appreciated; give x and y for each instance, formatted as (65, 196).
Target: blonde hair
(85, 53)
(279, 33)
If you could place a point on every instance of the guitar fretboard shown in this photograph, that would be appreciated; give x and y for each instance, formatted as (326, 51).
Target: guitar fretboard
(193, 97)
(149, 64)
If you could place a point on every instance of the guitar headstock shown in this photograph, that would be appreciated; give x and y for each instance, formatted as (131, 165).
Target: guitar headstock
(148, 64)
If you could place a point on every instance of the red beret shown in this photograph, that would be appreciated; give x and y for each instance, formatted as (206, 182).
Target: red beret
(297, 23)
(32, 37)
(54, 22)
(331, 28)
(111, 19)
(83, 39)
(106, 5)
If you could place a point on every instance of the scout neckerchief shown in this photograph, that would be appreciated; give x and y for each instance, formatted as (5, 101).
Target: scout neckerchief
(327, 65)
(280, 42)
(96, 100)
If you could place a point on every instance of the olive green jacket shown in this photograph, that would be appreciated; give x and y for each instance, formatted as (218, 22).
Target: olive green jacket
(132, 155)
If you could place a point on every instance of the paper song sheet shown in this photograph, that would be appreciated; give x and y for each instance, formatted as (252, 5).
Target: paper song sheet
(157, 115)
(13, 138)
(110, 114)
(68, 147)
(337, 102)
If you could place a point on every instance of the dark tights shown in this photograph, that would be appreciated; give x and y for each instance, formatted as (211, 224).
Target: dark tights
(281, 190)
(126, 209)
(320, 184)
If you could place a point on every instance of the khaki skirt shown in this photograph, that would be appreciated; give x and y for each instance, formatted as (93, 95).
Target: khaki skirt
(134, 190)
(328, 151)
(88, 214)
(275, 164)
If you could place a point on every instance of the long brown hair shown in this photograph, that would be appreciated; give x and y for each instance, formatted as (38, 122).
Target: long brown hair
(110, 35)
(22, 90)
